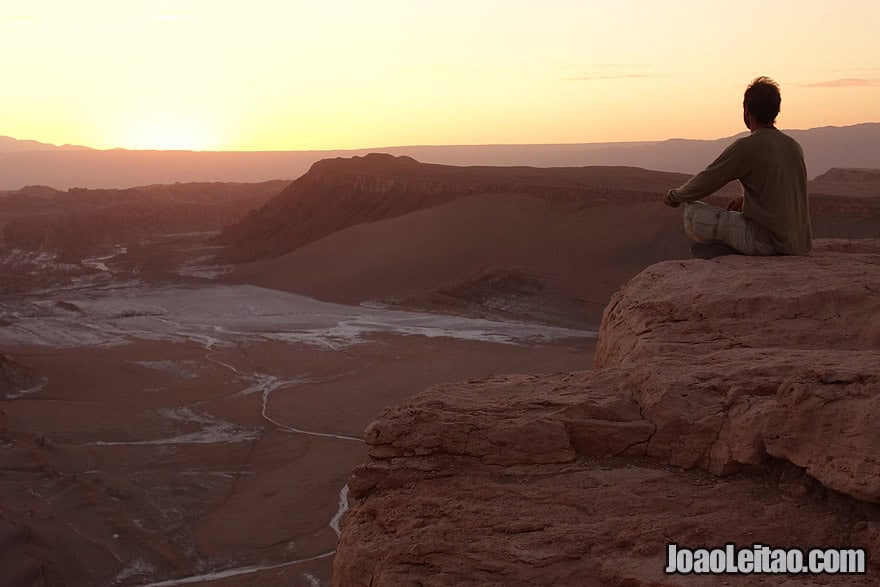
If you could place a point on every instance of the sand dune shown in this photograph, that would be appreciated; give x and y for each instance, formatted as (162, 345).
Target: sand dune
(544, 244)
(538, 259)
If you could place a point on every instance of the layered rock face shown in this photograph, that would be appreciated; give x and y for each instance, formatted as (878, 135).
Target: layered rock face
(731, 400)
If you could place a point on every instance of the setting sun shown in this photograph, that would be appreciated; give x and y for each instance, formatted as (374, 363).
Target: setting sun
(165, 133)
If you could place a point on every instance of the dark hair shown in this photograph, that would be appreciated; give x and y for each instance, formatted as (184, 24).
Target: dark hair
(762, 99)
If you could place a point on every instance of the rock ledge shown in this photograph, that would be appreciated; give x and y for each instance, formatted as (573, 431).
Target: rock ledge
(732, 400)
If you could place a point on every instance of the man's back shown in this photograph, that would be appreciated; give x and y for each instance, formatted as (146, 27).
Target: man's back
(775, 188)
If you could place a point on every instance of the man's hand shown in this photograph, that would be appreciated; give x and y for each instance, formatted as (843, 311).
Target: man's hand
(736, 204)
(669, 201)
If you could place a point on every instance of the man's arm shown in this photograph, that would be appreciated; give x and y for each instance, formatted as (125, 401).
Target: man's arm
(728, 166)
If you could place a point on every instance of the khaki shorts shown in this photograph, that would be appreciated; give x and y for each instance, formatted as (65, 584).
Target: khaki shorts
(708, 224)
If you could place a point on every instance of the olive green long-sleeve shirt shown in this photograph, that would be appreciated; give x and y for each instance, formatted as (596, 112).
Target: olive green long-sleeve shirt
(770, 166)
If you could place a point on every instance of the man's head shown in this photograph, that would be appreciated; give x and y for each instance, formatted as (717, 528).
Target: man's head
(761, 101)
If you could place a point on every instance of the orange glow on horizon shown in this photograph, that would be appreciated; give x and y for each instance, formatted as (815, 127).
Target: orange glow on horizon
(166, 133)
(342, 74)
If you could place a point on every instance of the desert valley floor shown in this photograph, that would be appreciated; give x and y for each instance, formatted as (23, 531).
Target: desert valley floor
(185, 430)
(178, 407)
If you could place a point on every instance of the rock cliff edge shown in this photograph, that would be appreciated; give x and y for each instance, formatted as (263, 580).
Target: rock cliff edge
(732, 400)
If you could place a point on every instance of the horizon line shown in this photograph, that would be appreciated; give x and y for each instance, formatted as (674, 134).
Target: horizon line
(73, 147)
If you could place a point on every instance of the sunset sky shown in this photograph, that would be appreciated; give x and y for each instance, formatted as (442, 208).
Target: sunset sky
(321, 74)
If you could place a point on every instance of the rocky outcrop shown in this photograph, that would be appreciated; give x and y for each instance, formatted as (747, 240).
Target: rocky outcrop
(750, 359)
(732, 400)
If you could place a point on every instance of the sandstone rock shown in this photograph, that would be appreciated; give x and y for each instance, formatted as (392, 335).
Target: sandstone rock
(511, 420)
(820, 301)
(731, 401)
(728, 352)
(826, 421)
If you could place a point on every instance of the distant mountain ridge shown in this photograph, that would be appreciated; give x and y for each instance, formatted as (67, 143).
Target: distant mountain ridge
(29, 162)
(11, 145)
